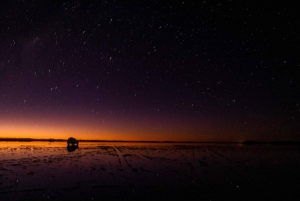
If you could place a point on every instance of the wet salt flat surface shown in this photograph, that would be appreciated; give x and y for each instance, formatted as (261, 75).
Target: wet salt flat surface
(122, 171)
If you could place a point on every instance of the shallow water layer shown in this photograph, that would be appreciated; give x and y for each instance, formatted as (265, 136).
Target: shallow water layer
(121, 171)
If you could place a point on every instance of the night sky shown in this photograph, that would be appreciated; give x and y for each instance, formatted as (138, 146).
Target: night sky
(150, 70)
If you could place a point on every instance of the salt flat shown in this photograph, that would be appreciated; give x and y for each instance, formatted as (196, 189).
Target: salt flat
(122, 171)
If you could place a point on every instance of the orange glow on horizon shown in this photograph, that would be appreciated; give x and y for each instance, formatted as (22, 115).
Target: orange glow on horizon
(130, 134)
(91, 129)
(137, 133)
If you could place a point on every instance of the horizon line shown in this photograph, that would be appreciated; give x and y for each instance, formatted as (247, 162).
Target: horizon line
(248, 142)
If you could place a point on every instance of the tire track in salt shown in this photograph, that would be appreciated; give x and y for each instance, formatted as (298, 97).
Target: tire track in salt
(124, 164)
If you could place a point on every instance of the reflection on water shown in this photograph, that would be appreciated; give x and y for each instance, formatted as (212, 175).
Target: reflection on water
(94, 144)
(153, 170)
(72, 148)
(32, 143)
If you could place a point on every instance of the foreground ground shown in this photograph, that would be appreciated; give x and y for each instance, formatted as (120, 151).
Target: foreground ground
(48, 171)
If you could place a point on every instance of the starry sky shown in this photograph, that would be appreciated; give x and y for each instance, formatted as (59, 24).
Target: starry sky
(150, 70)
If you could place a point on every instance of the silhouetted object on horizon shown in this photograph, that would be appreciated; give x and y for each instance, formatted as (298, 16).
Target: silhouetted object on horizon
(72, 142)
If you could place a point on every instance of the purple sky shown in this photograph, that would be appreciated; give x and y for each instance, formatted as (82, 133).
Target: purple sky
(150, 70)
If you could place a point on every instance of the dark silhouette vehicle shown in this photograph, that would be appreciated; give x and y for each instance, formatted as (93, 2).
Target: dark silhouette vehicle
(72, 142)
